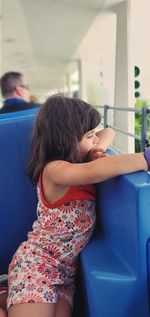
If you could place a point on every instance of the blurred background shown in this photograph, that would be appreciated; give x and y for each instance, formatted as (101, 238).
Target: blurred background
(97, 50)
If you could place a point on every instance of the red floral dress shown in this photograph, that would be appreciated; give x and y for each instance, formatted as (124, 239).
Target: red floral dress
(43, 268)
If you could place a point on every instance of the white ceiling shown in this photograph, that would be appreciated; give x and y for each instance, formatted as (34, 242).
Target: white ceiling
(40, 37)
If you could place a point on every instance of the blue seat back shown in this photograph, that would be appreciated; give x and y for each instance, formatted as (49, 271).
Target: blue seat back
(18, 197)
(21, 113)
(116, 263)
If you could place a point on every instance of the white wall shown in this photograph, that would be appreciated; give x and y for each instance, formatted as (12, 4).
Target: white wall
(141, 40)
(97, 55)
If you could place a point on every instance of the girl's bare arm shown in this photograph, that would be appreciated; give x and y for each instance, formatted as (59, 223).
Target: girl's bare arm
(106, 138)
(67, 174)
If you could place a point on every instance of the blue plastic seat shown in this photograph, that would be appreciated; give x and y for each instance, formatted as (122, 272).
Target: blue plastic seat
(115, 265)
(21, 113)
(18, 197)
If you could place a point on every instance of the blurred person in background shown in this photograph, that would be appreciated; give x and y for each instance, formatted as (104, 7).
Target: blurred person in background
(16, 93)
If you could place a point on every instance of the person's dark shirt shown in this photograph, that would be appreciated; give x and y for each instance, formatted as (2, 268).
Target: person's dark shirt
(15, 104)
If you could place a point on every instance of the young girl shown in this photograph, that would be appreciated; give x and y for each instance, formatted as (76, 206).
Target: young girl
(3, 294)
(42, 271)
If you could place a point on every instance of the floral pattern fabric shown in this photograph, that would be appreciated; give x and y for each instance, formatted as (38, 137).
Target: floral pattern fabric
(43, 268)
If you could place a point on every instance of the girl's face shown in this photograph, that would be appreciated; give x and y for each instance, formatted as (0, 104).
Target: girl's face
(88, 142)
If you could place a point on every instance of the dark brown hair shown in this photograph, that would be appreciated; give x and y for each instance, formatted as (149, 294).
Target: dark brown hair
(9, 81)
(60, 125)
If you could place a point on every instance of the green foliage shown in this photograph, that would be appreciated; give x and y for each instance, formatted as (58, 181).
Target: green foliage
(140, 103)
(136, 82)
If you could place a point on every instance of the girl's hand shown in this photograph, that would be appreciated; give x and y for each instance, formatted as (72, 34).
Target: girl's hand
(95, 153)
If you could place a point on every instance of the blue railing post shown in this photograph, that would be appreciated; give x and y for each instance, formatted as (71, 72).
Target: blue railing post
(106, 116)
(143, 138)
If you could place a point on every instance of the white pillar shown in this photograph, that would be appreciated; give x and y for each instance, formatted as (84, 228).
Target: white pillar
(79, 78)
(124, 81)
(83, 82)
(141, 27)
(68, 80)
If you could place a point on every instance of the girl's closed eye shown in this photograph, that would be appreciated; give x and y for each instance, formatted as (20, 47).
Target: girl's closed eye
(89, 136)
(88, 142)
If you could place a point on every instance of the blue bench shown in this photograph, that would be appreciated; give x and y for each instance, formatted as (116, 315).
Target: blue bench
(17, 195)
(115, 266)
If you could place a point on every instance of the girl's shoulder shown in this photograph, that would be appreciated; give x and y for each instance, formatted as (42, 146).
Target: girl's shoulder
(55, 164)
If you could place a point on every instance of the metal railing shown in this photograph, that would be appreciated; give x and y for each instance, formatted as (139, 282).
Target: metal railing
(144, 141)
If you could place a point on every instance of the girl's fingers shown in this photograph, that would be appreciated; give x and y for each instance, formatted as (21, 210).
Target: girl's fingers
(96, 153)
